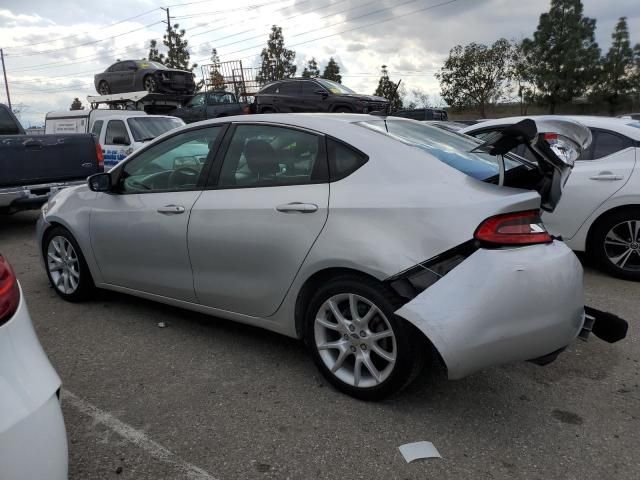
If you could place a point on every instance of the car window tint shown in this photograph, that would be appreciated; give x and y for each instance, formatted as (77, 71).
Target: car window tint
(119, 67)
(270, 88)
(343, 160)
(265, 155)
(7, 123)
(608, 143)
(290, 88)
(171, 165)
(116, 128)
(309, 88)
(97, 127)
(196, 101)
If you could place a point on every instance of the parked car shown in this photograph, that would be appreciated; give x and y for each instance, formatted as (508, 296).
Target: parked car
(423, 114)
(600, 209)
(314, 95)
(208, 105)
(138, 75)
(33, 441)
(32, 167)
(417, 247)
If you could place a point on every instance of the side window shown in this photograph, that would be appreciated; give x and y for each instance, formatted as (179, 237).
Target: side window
(606, 143)
(343, 159)
(97, 127)
(271, 88)
(265, 156)
(309, 88)
(116, 128)
(118, 67)
(290, 88)
(196, 101)
(172, 165)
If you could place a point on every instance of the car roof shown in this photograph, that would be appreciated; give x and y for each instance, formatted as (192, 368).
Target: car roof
(630, 128)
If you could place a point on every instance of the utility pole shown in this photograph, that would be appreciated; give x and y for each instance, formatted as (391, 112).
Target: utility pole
(6, 84)
(168, 22)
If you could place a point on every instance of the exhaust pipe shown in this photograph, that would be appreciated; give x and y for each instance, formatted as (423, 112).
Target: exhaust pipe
(604, 325)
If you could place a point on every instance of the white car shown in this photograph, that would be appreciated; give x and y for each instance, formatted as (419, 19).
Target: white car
(600, 208)
(33, 440)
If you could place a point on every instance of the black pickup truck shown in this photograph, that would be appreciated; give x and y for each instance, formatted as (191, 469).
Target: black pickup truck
(207, 105)
(32, 167)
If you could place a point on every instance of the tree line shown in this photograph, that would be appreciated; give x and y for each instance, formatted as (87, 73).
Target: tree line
(560, 63)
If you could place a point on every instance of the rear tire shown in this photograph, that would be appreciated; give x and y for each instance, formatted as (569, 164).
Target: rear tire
(615, 244)
(66, 267)
(370, 356)
(103, 88)
(267, 110)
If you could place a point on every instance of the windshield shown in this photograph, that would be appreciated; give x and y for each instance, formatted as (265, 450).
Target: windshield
(148, 128)
(451, 148)
(333, 87)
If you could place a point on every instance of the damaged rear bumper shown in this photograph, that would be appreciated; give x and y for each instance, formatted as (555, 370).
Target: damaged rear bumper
(501, 306)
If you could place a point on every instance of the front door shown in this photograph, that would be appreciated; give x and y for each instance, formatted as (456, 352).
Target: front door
(139, 232)
(115, 143)
(249, 235)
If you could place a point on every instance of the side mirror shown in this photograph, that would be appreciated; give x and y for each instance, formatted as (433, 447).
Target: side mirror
(99, 182)
(119, 141)
(319, 91)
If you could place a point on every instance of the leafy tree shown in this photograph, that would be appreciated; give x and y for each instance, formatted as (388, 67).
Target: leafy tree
(311, 70)
(154, 55)
(615, 78)
(277, 61)
(563, 53)
(475, 75)
(332, 71)
(521, 73)
(76, 104)
(420, 99)
(389, 90)
(177, 52)
(216, 79)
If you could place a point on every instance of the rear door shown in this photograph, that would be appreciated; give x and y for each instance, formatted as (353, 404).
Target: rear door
(603, 170)
(251, 230)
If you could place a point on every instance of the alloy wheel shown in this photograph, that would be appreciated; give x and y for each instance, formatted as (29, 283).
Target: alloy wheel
(150, 84)
(622, 245)
(355, 340)
(63, 265)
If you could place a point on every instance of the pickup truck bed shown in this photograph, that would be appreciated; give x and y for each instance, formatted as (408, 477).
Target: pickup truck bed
(32, 167)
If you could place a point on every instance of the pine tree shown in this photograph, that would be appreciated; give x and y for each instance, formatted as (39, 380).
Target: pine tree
(216, 80)
(154, 54)
(563, 53)
(177, 54)
(389, 90)
(277, 61)
(76, 104)
(332, 71)
(311, 70)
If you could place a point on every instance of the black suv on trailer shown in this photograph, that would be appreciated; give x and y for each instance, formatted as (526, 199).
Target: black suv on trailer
(314, 95)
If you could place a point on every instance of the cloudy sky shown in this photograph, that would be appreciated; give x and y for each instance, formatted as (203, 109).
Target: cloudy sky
(53, 48)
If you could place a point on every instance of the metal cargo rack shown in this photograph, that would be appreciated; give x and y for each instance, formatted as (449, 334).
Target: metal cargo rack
(231, 77)
(157, 103)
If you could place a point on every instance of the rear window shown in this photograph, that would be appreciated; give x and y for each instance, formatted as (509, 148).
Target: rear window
(147, 128)
(608, 143)
(448, 147)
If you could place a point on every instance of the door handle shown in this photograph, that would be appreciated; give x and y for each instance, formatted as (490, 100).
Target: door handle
(171, 209)
(606, 176)
(297, 207)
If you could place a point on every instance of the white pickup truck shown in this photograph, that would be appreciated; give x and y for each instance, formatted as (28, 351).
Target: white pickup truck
(120, 132)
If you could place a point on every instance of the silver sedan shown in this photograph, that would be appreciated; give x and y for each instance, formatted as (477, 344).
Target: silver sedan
(376, 240)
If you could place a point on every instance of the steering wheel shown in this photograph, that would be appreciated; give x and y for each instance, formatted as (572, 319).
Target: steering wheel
(183, 176)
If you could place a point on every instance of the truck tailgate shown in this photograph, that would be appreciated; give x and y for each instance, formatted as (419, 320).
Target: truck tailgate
(37, 159)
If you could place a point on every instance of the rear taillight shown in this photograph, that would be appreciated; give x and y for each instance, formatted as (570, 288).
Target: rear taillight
(520, 228)
(9, 292)
(100, 157)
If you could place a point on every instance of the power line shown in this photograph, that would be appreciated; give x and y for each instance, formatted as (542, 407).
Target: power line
(248, 7)
(50, 40)
(45, 52)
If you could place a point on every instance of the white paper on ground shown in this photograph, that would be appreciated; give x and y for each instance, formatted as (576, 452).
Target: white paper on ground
(414, 451)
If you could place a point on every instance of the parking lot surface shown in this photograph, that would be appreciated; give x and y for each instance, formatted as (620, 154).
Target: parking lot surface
(207, 399)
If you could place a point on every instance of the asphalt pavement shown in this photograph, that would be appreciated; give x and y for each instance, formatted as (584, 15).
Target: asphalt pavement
(204, 398)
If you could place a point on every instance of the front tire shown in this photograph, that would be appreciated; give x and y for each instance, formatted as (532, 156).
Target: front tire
(615, 244)
(357, 342)
(150, 84)
(343, 110)
(66, 267)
